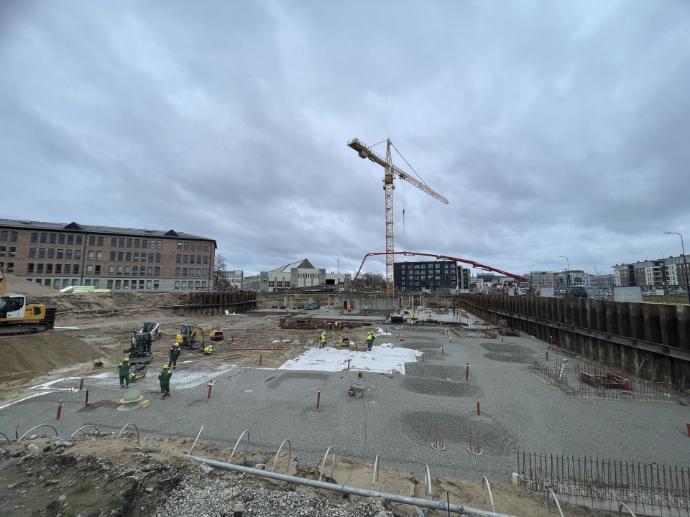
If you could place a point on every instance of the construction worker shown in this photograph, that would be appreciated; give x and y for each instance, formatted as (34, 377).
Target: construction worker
(173, 355)
(164, 379)
(370, 340)
(208, 349)
(412, 316)
(123, 369)
(322, 339)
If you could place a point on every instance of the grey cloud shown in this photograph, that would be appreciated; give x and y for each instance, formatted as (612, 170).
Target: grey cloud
(553, 128)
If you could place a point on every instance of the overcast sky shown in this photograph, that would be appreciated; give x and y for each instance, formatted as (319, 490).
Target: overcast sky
(554, 128)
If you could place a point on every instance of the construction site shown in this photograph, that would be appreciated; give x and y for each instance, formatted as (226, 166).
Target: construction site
(321, 402)
(465, 404)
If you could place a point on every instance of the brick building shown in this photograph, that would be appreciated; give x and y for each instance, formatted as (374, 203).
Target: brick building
(59, 255)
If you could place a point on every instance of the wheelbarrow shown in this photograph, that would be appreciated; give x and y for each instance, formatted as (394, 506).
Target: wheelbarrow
(357, 390)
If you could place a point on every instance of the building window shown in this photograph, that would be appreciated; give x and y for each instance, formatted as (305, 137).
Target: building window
(41, 253)
(100, 242)
(155, 284)
(91, 255)
(30, 267)
(186, 246)
(178, 259)
(135, 256)
(128, 270)
(149, 284)
(97, 269)
(178, 271)
(158, 258)
(128, 256)
(96, 283)
(77, 239)
(125, 284)
(177, 284)
(61, 240)
(118, 284)
(205, 259)
(112, 256)
(92, 240)
(144, 244)
(185, 259)
(205, 246)
(192, 259)
(120, 256)
(157, 271)
(68, 255)
(49, 269)
(179, 246)
(77, 254)
(141, 284)
(39, 268)
(129, 242)
(3, 235)
(70, 240)
(111, 270)
(99, 255)
(151, 255)
(34, 237)
(184, 285)
(46, 282)
(58, 269)
(44, 238)
(113, 242)
(121, 242)
(142, 270)
(159, 244)
(60, 254)
(2, 251)
(149, 271)
(109, 285)
(89, 269)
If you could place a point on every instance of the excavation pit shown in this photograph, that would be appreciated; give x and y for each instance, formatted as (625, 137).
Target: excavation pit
(440, 387)
(454, 430)
(299, 380)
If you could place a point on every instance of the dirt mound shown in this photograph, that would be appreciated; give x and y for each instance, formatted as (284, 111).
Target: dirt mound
(26, 357)
(15, 284)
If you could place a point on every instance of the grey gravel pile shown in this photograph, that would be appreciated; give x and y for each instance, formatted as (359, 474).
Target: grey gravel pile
(218, 497)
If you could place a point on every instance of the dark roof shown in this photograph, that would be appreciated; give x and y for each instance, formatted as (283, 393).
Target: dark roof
(83, 228)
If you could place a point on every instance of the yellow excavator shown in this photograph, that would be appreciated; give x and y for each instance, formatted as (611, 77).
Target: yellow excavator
(17, 316)
(189, 334)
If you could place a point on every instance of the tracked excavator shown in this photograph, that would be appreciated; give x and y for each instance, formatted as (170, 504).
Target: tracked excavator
(18, 316)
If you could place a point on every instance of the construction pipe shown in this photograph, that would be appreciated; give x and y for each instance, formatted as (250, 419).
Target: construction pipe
(346, 489)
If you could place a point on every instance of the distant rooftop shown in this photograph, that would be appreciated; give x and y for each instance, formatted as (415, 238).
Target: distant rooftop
(85, 228)
(304, 264)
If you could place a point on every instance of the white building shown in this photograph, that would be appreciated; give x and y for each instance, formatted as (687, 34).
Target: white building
(232, 278)
(296, 275)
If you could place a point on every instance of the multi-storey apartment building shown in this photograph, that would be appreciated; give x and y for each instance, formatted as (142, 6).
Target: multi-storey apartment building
(59, 255)
(652, 274)
(430, 275)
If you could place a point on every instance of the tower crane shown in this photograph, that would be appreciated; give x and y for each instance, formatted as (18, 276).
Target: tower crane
(390, 171)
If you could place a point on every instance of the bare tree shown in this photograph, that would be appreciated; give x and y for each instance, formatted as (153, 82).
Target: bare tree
(219, 268)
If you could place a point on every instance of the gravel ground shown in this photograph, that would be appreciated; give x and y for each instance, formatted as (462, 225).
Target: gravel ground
(217, 497)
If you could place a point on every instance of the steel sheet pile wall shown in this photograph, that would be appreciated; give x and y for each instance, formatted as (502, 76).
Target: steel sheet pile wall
(217, 302)
(648, 340)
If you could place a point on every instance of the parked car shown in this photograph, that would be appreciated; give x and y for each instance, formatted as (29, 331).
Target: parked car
(311, 306)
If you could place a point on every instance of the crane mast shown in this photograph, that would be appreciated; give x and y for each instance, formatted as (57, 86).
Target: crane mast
(390, 171)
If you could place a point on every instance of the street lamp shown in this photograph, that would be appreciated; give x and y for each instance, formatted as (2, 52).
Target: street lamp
(567, 273)
(685, 262)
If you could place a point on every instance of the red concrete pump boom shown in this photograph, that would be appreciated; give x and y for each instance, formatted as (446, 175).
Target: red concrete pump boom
(473, 263)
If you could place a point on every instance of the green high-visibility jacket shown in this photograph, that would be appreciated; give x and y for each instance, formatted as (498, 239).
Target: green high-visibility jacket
(164, 377)
(123, 368)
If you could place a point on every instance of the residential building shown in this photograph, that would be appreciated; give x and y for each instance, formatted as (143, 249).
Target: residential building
(231, 279)
(430, 275)
(651, 274)
(60, 255)
(573, 277)
(606, 281)
(541, 279)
